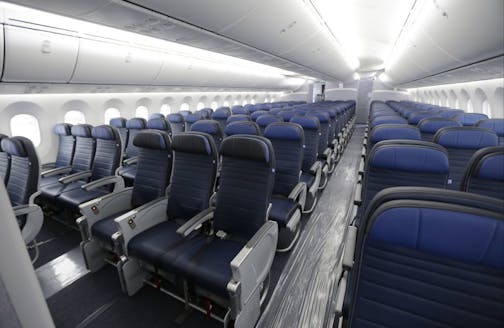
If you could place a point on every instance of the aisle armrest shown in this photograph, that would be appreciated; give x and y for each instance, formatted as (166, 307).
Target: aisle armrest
(74, 177)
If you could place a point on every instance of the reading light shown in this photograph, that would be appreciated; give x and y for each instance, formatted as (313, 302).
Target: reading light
(356, 76)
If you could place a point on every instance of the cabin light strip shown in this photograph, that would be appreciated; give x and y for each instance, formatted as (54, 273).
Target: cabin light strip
(144, 94)
(23, 16)
(499, 81)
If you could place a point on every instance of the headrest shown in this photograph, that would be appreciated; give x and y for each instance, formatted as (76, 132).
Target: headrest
(207, 126)
(118, 122)
(62, 129)
(445, 230)
(243, 127)
(418, 116)
(156, 115)
(152, 139)
(450, 113)
(254, 148)
(195, 143)
(331, 111)
(265, 120)
(175, 118)
(2, 137)
(221, 113)
(105, 132)
(466, 137)
(287, 115)
(136, 123)
(487, 163)
(284, 130)
(432, 125)
(82, 130)
(258, 113)
(470, 119)
(388, 120)
(185, 112)
(14, 147)
(495, 124)
(323, 117)
(158, 124)
(409, 156)
(306, 122)
(394, 131)
(238, 109)
(191, 118)
(203, 113)
(237, 118)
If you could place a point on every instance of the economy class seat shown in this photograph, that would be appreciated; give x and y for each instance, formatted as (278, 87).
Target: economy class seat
(120, 124)
(4, 162)
(238, 110)
(176, 121)
(416, 117)
(470, 119)
(128, 167)
(429, 126)
(451, 113)
(242, 127)
(210, 127)
(392, 119)
(160, 124)
(190, 119)
(325, 152)
(462, 143)
(264, 120)
(237, 118)
(156, 115)
(496, 125)
(184, 113)
(255, 115)
(221, 115)
(485, 173)
(97, 223)
(389, 132)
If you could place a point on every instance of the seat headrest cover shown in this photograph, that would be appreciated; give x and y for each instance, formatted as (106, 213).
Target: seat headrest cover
(136, 123)
(451, 231)
(156, 115)
(221, 113)
(265, 120)
(466, 137)
(255, 115)
(2, 137)
(105, 132)
(238, 118)
(194, 142)
(495, 124)
(432, 125)
(118, 122)
(191, 118)
(416, 156)
(152, 139)
(469, 119)
(175, 118)
(322, 116)
(14, 147)
(158, 124)
(207, 126)
(307, 122)
(492, 166)
(394, 131)
(62, 129)
(285, 131)
(242, 127)
(254, 148)
(388, 120)
(82, 130)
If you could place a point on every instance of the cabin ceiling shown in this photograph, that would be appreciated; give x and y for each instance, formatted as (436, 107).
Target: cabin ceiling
(415, 42)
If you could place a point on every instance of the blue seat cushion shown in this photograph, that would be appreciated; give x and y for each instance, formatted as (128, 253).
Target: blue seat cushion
(73, 195)
(105, 228)
(49, 180)
(307, 178)
(282, 210)
(128, 172)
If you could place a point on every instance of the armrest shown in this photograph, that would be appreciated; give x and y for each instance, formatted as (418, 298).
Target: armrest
(34, 220)
(196, 221)
(340, 295)
(298, 194)
(361, 167)
(358, 195)
(74, 177)
(46, 166)
(349, 253)
(25, 209)
(117, 181)
(364, 142)
(363, 152)
(140, 219)
(130, 161)
(56, 171)
(315, 167)
(327, 152)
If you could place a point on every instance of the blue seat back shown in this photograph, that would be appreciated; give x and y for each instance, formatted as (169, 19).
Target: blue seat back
(393, 132)
(311, 129)
(66, 144)
(24, 169)
(287, 140)
(153, 166)
(120, 124)
(238, 109)
(134, 126)
(4, 162)
(485, 173)
(286, 115)
(84, 148)
(264, 120)
(431, 263)
(496, 125)
(176, 121)
(185, 112)
(462, 143)
(429, 126)
(237, 118)
(242, 201)
(108, 151)
(194, 172)
(160, 124)
(450, 113)
(211, 127)
(242, 127)
(416, 117)
(220, 115)
(325, 127)
(156, 115)
(469, 119)
(388, 120)
(255, 115)
(191, 119)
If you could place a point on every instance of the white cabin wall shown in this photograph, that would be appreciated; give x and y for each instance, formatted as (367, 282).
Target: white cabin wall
(50, 109)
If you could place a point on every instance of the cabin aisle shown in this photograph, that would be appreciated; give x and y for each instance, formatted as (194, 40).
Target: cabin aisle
(304, 290)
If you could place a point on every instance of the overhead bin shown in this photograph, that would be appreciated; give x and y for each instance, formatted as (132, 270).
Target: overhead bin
(38, 56)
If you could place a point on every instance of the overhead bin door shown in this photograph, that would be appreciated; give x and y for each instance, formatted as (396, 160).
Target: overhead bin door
(38, 56)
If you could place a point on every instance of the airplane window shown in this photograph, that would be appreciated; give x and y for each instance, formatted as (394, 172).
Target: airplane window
(485, 106)
(469, 108)
(184, 106)
(236, 102)
(214, 105)
(244, 102)
(111, 113)
(142, 112)
(75, 117)
(226, 103)
(252, 101)
(272, 99)
(165, 109)
(200, 105)
(26, 125)
(266, 100)
(457, 103)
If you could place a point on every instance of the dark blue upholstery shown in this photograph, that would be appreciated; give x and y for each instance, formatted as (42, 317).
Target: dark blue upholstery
(4, 162)
(66, 144)
(388, 120)
(416, 117)
(160, 124)
(429, 126)
(176, 121)
(450, 113)
(120, 124)
(211, 127)
(156, 115)
(496, 125)
(238, 109)
(242, 127)
(311, 128)
(430, 264)
(393, 132)
(469, 119)
(24, 169)
(185, 112)
(258, 113)
(220, 115)
(325, 127)
(237, 118)
(461, 143)
(134, 125)
(287, 115)
(264, 120)
(190, 119)
(485, 173)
